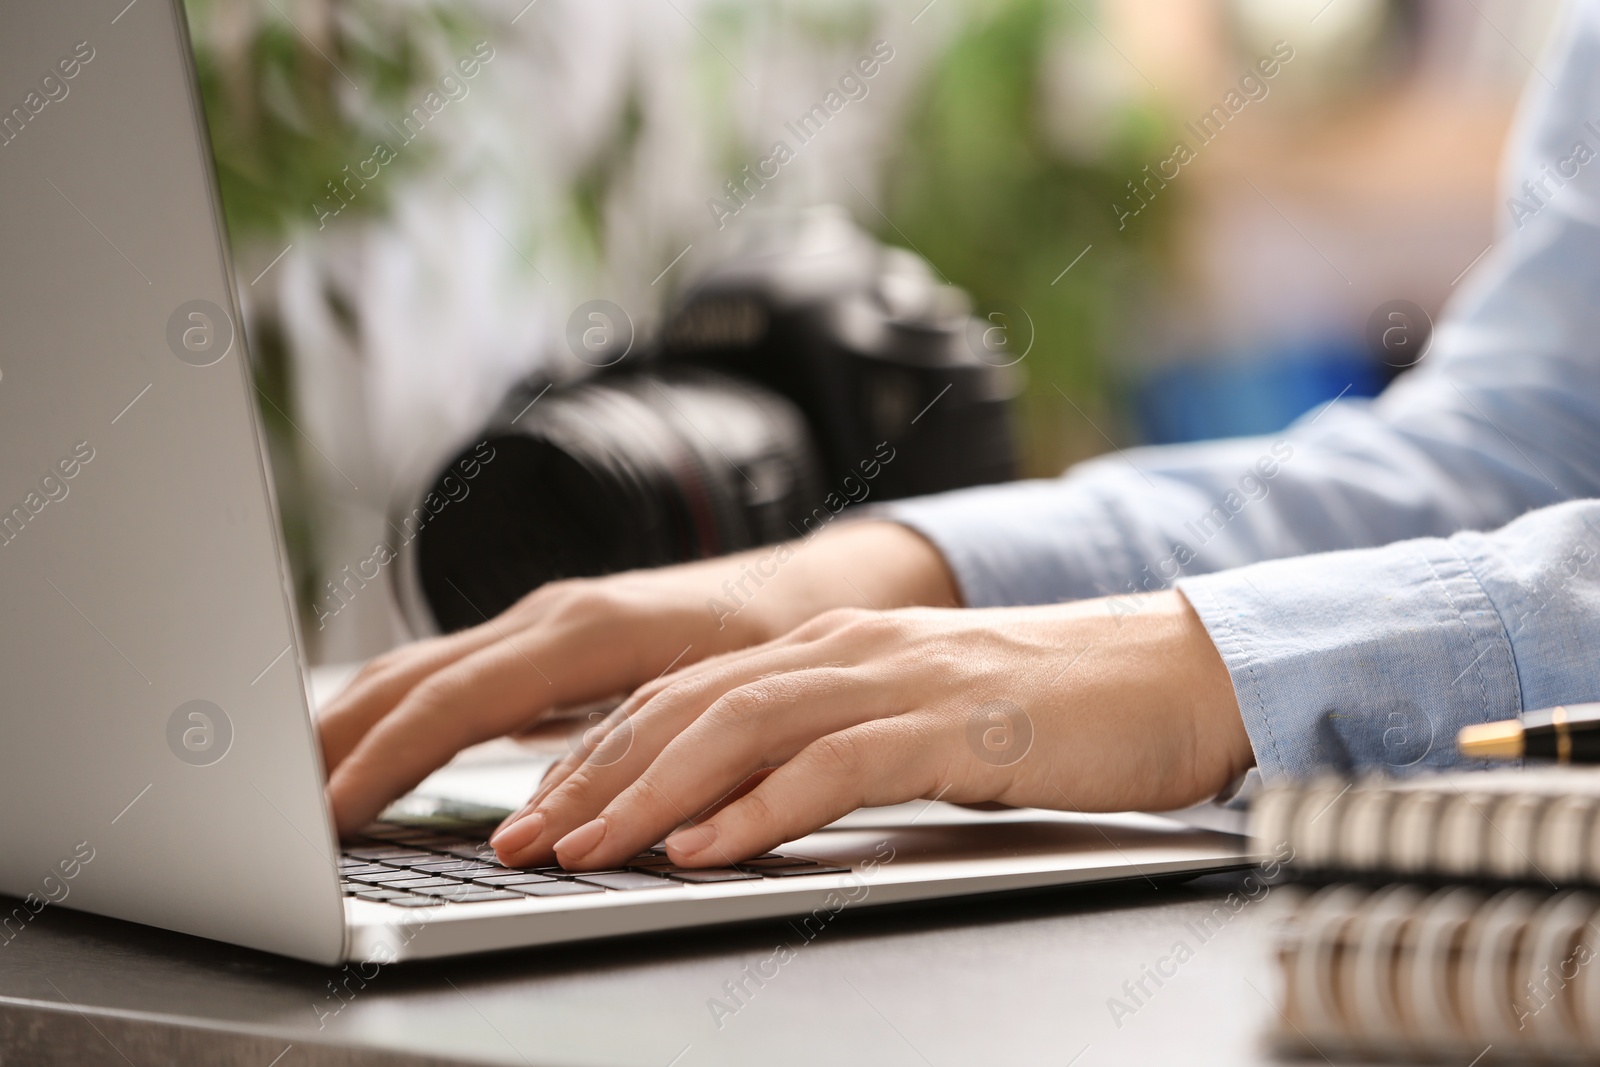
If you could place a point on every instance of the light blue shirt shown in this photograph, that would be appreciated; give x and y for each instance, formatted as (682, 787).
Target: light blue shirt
(1340, 566)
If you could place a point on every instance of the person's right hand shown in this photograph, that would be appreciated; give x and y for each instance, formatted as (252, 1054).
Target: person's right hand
(581, 640)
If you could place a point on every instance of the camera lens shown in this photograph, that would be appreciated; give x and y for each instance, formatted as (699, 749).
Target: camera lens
(627, 471)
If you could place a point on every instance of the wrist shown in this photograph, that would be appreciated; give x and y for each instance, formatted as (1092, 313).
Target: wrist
(868, 563)
(1222, 746)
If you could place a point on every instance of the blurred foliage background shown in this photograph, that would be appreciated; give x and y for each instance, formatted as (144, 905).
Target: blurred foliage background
(979, 188)
(1002, 142)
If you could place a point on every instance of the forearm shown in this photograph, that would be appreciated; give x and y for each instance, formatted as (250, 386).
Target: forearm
(869, 564)
(761, 593)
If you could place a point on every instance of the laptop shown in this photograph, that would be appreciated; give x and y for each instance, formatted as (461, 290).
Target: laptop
(158, 760)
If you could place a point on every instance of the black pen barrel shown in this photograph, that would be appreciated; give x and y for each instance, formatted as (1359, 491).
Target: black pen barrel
(1569, 734)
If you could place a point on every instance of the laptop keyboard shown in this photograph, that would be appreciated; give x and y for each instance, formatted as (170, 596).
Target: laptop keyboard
(417, 867)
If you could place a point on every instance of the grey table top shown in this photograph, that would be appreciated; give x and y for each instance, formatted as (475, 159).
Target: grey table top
(1003, 980)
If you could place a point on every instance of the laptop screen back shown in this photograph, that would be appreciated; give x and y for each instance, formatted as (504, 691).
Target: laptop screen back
(157, 761)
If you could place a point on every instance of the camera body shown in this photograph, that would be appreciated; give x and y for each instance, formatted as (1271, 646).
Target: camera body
(816, 370)
(868, 345)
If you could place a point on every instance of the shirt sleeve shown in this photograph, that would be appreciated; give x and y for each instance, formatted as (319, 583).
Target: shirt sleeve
(1338, 566)
(1375, 658)
(1501, 416)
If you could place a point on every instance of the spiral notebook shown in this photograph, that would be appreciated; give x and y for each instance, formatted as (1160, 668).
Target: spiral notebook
(1539, 826)
(1482, 945)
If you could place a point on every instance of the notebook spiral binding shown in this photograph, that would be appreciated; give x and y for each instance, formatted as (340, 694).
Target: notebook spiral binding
(1482, 946)
(1450, 975)
(1541, 829)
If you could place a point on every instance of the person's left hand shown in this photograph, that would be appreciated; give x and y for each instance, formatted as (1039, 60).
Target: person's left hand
(1092, 706)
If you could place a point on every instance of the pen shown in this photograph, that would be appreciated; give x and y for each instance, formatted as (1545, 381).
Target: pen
(1569, 734)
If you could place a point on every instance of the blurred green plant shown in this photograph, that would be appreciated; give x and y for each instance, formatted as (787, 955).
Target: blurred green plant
(978, 188)
(296, 93)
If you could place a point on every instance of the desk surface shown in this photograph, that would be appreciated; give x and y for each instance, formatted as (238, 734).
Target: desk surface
(1017, 981)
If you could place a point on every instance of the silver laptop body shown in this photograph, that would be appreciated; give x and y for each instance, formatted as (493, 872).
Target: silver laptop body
(158, 761)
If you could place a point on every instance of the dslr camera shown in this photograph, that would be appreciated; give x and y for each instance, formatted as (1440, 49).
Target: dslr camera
(814, 371)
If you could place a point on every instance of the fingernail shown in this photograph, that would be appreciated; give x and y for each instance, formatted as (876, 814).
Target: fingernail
(519, 835)
(694, 840)
(546, 785)
(514, 817)
(582, 841)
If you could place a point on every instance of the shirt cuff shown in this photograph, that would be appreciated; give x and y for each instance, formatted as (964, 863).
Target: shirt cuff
(1369, 659)
(1031, 542)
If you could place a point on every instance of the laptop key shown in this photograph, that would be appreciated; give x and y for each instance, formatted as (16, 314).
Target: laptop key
(487, 868)
(415, 882)
(457, 891)
(390, 855)
(766, 863)
(413, 902)
(553, 889)
(489, 894)
(627, 880)
(470, 852)
(512, 878)
(413, 862)
(379, 896)
(790, 872)
(428, 883)
(386, 877)
(709, 875)
(439, 866)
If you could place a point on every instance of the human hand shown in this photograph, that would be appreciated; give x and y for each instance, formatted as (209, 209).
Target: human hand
(582, 640)
(1069, 706)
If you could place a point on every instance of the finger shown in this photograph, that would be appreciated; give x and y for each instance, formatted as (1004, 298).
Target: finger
(576, 792)
(886, 761)
(383, 683)
(743, 789)
(520, 845)
(520, 839)
(557, 772)
(582, 791)
(619, 717)
(759, 725)
(481, 696)
(576, 607)
(636, 734)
